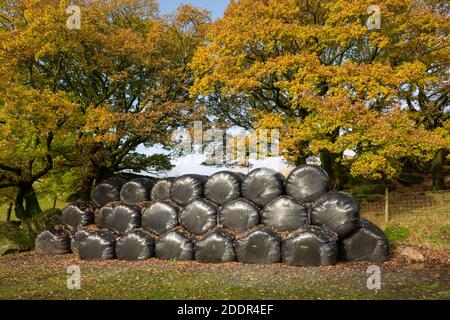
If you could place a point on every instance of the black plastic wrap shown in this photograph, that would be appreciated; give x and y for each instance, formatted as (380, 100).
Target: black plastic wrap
(123, 218)
(216, 247)
(285, 214)
(337, 211)
(223, 187)
(310, 246)
(101, 215)
(239, 215)
(199, 216)
(98, 245)
(107, 191)
(258, 246)
(262, 185)
(160, 217)
(77, 237)
(174, 245)
(77, 215)
(53, 241)
(135, 245)
(187, 188)
(161, 190)
(136, 190)
(368, 243)
(307, 183)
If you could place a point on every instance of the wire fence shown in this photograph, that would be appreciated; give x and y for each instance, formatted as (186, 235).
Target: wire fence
(414, 204)
(418, 203)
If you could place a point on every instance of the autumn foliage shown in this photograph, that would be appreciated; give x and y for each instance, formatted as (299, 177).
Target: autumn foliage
(78, 102)
(314, 70)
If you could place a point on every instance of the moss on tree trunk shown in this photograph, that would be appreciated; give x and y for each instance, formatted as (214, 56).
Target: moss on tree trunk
(26, 204)
(437, 169)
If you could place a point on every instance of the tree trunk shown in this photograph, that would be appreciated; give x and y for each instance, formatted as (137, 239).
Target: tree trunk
(19, 208)
(86, 188)
(327, 163)
(338, 171)
(26, 204)
(437, 169)
(102, 174)
(334, 169)
(97, 175)
(300, 160)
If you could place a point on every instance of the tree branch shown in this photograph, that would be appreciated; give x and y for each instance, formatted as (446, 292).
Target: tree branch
(10, 169)
(8, 185)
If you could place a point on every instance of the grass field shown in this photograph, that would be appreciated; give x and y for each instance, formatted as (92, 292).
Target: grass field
(46, 202)
(430, 231)
(29, 276)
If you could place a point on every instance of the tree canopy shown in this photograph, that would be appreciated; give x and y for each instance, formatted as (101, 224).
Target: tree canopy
(316, 71)
(85, 99)
(76, 103)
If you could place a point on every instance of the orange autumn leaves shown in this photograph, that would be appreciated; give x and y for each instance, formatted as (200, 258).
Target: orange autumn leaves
(121, 44)
(309, 68)
(313, 70)
(78, 102)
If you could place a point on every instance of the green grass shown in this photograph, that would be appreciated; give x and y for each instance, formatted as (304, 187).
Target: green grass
(177, 280)
(446, 228)
(425, 230)
(397, 234)
(445, 294)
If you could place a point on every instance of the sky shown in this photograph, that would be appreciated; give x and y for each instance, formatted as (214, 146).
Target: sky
(217, 7)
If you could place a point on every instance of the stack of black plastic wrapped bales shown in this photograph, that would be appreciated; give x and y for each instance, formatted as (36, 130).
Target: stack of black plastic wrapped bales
(260, 217)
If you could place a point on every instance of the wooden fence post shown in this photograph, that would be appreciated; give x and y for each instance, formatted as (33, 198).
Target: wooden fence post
(8, 213)
(386, 205)
(55, 198)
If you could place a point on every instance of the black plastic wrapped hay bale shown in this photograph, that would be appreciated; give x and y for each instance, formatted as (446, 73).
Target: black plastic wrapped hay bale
(262, 185)
(216, 247)
(310, 246)
(258, 246)
(53, 241)
(98, 245)
(77, 215)
(337, 211)
(161, 190)
(135, 245)
(77, 237)
(101, 215)
(187, 188)
(368, 243)
(223, 187)
(136, 190)
(239, 215)
(199, 216)
(285, 214)
(160, 217)
(174, 245)
(307, 183)
(123, 218)
(107, 191)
